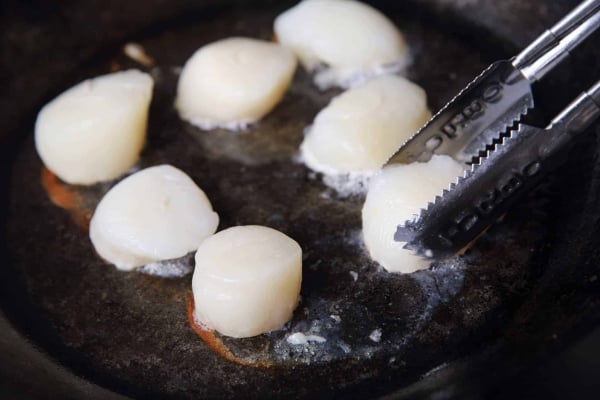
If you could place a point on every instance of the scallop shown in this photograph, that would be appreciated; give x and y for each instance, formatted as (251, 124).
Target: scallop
(247, 280)
(94, 131)
(345, 41)
(397, 195)
(233, 82)
(156, 214)
(361, 128)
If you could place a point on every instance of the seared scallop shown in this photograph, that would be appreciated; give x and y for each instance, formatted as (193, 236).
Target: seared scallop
(361, 128)
(247, 280)
(95, 130)
(396, 195)
(233, 82)
(156, 214)
(346, 42)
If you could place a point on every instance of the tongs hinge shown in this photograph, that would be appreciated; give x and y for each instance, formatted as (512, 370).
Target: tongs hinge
(562, 37)
(551, 48)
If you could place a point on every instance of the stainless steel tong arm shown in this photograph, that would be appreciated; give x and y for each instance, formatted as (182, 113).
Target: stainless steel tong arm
(558, 49)
(553, 45)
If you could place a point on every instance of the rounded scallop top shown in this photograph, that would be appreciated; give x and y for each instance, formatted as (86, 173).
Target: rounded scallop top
(247, 280)
(351, 38)
(233, 81)
(361, 128)
(156, 214)
(95, 130)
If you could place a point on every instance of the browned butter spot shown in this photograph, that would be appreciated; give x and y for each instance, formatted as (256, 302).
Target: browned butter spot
(215, 343)
(65, 197)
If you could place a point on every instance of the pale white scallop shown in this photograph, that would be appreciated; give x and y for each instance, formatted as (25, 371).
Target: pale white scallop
(361, 128)
(156, 214)
(233, 82)
(247, 280)
(95, 130)
(345, 41)
(396, 195)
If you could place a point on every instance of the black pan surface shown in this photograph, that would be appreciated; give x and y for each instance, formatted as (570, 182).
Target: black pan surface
(129, 332)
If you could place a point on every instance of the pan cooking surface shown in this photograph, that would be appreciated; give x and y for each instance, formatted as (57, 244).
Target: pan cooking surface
(129, 331)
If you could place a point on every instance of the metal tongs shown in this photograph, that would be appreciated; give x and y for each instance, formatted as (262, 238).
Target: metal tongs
(480, 127)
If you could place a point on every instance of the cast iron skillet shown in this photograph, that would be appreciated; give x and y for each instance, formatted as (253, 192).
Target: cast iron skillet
(527, 287)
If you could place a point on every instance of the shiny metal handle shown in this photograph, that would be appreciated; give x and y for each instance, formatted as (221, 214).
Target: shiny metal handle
(575, 17)
(552, 36)
(580, 113)
(574, 119)
(594, 93)
(555, 55)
